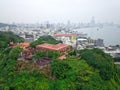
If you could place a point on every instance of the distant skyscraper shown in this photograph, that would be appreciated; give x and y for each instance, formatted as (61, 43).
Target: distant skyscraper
(93, 20)
(99, 42)
(68, 23)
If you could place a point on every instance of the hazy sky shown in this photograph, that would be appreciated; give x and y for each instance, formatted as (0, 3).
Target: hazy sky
(32, 11)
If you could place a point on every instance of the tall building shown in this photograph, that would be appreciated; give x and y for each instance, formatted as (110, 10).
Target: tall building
(99, 42)
(92, 23)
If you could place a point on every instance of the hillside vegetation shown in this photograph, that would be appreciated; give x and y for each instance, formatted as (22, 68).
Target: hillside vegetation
(45, 39)
(74, 73)
(81, 70)
(7, 37)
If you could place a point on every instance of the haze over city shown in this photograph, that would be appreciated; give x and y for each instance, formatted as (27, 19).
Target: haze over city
(59, 45)
(32, 11)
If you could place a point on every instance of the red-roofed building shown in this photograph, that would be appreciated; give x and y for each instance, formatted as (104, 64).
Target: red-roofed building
(62, 48)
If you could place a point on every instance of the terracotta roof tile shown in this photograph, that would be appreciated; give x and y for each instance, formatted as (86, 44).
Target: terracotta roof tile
(52, 47)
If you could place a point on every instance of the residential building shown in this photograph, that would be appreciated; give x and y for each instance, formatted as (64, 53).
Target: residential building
(69, 39)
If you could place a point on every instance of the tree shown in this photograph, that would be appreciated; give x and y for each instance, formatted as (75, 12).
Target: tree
(15, 52)
(44, 39)
(73, 52)
(7, 37)
(98, 59)
(37, 56)
(53, 54)
(59, 69)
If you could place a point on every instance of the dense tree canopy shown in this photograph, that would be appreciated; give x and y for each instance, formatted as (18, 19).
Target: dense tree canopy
(45, 39)
(82, 70)
(49, 54)
(98, 59)
(7, 37)
(70, 74)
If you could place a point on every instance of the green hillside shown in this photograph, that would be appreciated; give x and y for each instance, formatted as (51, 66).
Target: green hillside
(45, 39)
(6, 37)
(81, 70)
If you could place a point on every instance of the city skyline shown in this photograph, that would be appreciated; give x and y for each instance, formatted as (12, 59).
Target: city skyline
(32, 11)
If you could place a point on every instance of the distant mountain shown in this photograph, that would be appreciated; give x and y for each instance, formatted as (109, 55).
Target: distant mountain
(4, 25)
